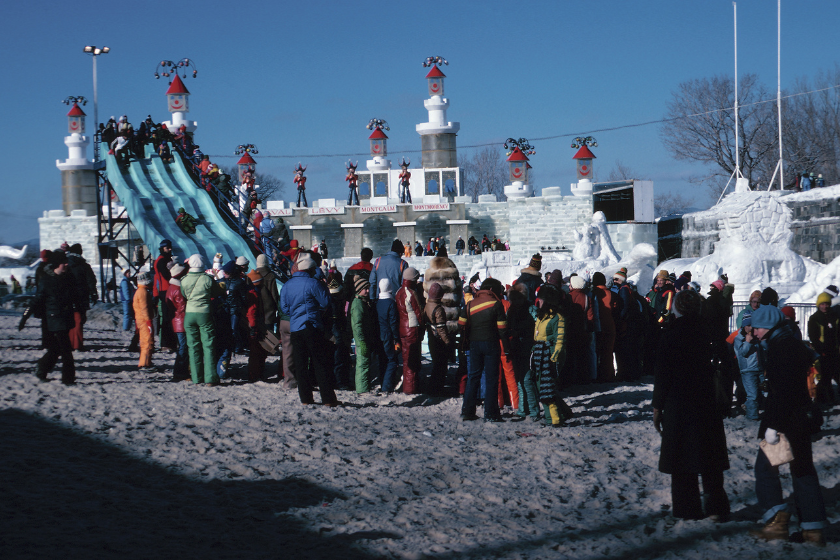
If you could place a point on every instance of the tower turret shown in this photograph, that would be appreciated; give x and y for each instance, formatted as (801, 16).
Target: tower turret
(438, 135)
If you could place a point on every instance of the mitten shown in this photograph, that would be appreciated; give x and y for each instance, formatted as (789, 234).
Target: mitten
(771, 436)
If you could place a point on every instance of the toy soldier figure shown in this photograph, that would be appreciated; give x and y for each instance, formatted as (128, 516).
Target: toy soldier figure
(353, 183)
(301, 183)
(405, 175)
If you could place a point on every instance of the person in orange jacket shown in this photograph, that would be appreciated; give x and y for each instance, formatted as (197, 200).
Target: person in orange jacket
(143, 313)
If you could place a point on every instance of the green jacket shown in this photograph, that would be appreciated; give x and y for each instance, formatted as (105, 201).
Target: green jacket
(198, 288)
(363, 323)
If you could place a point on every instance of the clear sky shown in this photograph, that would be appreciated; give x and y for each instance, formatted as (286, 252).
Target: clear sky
(303, 78)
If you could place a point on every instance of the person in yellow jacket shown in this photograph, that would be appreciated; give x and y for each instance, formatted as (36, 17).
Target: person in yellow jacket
(143, 313)
(549, 353)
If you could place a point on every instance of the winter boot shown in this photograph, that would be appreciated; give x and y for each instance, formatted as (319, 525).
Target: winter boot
(776, 528)
(814, 536)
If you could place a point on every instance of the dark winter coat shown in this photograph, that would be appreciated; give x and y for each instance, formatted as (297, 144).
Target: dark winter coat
(84, 281)
(693, 440)
(530, 277)
(786, 363)
(270, 295)
(56, 296)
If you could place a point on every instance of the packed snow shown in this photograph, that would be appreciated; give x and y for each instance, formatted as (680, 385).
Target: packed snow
(133, 465)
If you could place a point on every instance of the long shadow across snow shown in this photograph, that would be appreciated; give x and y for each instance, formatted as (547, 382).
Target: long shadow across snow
(66, 495)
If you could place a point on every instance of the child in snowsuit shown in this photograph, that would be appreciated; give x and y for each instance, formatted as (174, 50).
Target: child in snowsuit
(363, 322)
(549, 353)
(143, 313)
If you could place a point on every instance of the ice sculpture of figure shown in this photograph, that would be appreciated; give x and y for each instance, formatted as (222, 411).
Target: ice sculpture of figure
(352, 183)
(405, 176)
(300, 180)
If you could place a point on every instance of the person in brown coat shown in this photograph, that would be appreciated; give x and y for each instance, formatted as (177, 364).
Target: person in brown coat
(605, 339)
(411, 329)
(435, 315)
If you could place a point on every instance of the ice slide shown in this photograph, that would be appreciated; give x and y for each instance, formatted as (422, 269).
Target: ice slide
(152, 192)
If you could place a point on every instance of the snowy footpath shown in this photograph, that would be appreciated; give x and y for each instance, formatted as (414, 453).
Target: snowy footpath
(126, 465)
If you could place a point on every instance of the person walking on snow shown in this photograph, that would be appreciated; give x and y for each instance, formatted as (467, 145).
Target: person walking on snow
(411, 329)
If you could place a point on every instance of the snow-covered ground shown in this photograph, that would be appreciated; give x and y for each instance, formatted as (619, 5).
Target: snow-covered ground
(127, 465)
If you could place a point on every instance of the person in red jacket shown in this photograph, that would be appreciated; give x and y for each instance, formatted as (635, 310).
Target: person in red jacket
(411, 329)
(176, 307)
(256, 326)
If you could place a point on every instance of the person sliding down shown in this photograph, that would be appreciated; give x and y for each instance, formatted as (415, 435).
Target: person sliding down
(185, 221)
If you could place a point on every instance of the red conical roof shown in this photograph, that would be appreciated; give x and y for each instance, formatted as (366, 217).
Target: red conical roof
(435, 73)
(177, 86)
(76, 111)
(246, 159)
(377, 134)
(517, 155)
(584, 153)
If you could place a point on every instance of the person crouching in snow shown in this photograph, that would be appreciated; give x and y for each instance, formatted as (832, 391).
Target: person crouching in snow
(549, 353)
(176, 306)
(363, 323)
(143, 313)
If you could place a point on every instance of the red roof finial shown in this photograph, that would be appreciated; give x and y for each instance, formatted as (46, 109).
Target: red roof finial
(517, 155)
(177, 86)
(584, 153)
(246, 159)
(435, 73)
(76, 111)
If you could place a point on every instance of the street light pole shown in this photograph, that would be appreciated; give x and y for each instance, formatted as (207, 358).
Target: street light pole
(94, 52)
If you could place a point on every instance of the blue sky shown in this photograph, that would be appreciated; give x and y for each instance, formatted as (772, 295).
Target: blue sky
(299, 78)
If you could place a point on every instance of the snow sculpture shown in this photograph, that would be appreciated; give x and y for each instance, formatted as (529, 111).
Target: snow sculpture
(592, 242)
(827, 276)
(9, 252)
(754, 247)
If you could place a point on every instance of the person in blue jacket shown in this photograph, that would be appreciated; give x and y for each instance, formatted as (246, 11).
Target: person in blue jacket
(305, 300)
(389, 333)
(747, 352)
(390, 266)
(126, 296)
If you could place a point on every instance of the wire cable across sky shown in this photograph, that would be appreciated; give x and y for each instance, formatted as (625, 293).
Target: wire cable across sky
(555, 136)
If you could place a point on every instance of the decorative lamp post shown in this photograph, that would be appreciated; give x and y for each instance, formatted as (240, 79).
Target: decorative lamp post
(435, 76)
(518, 152)
(177, 96)
(584, 157)
(378, 150)
(246, 163)
(378, 139)
(76, 117)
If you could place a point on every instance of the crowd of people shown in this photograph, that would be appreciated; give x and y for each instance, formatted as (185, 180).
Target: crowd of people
(518, 346)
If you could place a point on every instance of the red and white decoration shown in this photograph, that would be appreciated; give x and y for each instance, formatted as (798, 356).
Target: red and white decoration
(178, 103)
(583, 157)
(437, 106)
(76, 142)
(518, 164)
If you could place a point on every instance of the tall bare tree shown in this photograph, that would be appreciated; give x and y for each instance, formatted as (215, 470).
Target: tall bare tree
(622, 172)
(270, 186)
(702, 129)
(484, 173)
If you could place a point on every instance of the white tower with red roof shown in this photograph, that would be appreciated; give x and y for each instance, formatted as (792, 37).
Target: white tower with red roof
(378, 151)
(519, 166)
(178, 103)
(438, 135)
(583, 157)
(78, 180)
